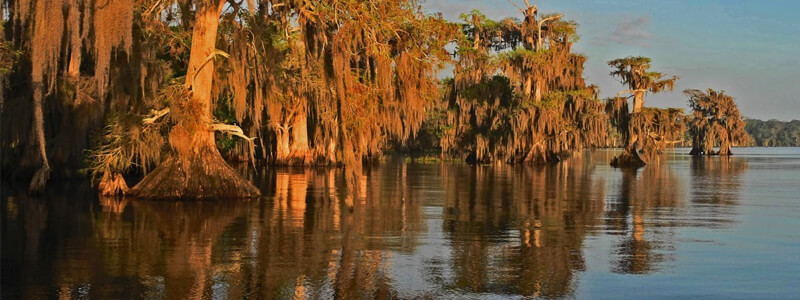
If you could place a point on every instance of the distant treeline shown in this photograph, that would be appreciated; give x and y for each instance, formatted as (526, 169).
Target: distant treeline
(774, 133)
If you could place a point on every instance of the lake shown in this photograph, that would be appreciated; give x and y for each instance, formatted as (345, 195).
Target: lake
(686, 228)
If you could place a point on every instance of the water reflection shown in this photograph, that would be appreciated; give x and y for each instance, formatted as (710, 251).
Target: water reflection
(520, 230)
(716, 184)
(651, 193)
(467, 230)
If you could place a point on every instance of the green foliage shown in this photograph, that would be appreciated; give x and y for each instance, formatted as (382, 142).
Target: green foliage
(127, 141)
(224, 113)
(525, 57)
(8, 57)
(634, 71)
(557, 99)
(774, 133)
(497, 88)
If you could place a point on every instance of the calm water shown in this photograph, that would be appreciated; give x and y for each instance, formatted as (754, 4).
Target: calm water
(690, 228)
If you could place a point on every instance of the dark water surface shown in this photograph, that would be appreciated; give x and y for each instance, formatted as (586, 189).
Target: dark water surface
(690, 228)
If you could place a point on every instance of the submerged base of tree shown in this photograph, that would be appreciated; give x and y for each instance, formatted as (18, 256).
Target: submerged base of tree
(113, 184)
(204, 176)
(304, 159)
(701, 152)
(628, 159)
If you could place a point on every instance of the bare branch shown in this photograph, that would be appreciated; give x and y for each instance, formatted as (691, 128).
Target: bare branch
(157, 114)
(631, 92)
(528, 4)
(209, 59)
(518, 7)
(549, 19)
(152, 8)
(232, 130)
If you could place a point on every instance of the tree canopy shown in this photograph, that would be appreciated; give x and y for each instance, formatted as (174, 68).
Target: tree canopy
(645, 130)
(173, 91)
(715, 120)
(518, 92)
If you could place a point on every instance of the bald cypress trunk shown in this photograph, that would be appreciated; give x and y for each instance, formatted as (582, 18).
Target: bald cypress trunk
(299, 149)
(630, 155)
(697, 144)
(724, 147)
(196, 169)
(282, 145)
(638, 101)
(292, 144)
(41, 176)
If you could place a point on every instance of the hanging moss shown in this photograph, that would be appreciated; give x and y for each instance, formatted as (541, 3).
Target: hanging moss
(71, 48)
(646, 131)
(537, 109)
(715, 120)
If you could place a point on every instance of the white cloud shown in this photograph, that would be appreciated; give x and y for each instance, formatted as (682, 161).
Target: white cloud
(631, 31)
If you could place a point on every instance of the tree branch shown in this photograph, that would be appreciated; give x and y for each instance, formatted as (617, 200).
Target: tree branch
(518, 7)
(549, 19)
(232, 130)
(157, 114)
(209, 59)
(631, 91)
(528, 4)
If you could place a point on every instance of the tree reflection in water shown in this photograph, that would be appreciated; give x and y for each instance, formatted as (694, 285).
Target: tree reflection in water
(716, 184)
(651, 206)
(520, 230)
(652, 192)
(507, 230)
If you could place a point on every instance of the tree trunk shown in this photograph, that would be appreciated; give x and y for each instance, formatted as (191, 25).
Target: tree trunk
(282, 144)
(537, 90)
(299, 148)
(696, 151)
(292, 141)
(697, 147)
(195, 168)
(538, 37)
(724, 147)
(529, 25)
(708, 144)
(629, 158)
(41, 176)
(638, 101)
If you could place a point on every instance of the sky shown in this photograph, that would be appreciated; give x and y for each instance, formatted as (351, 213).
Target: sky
(748, 48)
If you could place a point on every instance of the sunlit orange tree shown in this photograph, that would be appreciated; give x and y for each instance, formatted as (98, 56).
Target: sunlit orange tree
(715, 120)
(518, 92)
(645, 131)
(166, 84)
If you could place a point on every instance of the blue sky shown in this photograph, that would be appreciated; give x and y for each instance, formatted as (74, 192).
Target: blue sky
(749, 48)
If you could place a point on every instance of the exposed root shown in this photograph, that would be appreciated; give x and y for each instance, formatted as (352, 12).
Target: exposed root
(202, 176)
(296, 159)
(628, 159)
(112, 185)
(39, 179)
